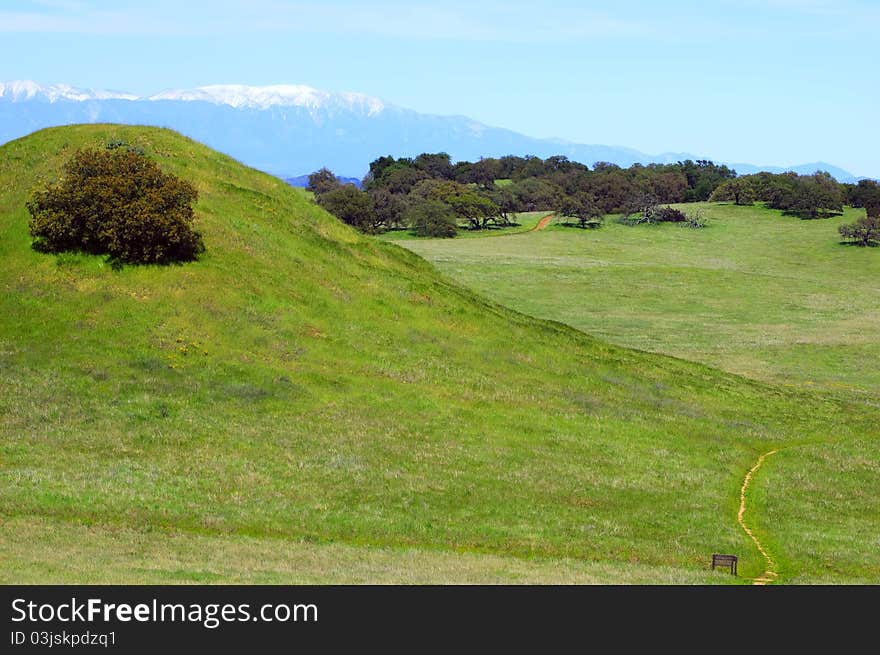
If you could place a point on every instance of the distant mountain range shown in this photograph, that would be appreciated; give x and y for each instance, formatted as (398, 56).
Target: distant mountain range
(291, 130)
(302, 181)
(802, 169)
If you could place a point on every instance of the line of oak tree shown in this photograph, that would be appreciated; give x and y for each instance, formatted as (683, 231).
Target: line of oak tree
(432, 196)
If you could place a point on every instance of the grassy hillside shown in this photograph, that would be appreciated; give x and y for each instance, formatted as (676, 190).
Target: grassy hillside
(304, 394)
(760, 294)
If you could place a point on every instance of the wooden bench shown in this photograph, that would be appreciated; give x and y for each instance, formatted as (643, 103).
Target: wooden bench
(724, 561)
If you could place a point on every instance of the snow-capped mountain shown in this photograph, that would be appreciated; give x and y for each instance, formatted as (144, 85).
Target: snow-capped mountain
(235, 95)
(278, 95)
(290, 129)
(23, 90)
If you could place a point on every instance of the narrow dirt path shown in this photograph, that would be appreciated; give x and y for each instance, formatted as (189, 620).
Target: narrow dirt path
(769, 575)
(544, 222)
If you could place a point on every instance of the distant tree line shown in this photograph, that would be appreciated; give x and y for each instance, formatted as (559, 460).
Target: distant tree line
(810, 196)
(807, 196)
(432, 196)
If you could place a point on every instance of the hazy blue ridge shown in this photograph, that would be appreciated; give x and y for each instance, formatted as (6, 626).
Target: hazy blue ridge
(302, 181)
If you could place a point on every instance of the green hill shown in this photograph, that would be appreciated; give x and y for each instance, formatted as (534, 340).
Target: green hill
(308, 404)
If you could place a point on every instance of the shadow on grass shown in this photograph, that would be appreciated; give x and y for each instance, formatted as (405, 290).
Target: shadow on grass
(491, 227)
(74, 256)
(590, 225)
(860, 244)
(807, 216)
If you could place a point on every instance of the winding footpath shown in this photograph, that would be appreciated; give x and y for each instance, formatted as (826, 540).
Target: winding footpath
(770, 574)
(544, 222)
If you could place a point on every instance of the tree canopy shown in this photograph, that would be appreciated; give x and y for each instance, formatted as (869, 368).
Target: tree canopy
(351, 205)
(582, 207)
(117, 202)
(487, 193)
(864, 232)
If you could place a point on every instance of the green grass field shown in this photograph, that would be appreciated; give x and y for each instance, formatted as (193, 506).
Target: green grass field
(308, 404)
(756, 293)
(523, 222)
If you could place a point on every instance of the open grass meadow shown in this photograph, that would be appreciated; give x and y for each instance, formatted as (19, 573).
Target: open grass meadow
(305, 404)
(522, 222)
(757, 293)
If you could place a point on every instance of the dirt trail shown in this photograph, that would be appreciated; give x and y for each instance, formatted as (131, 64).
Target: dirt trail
(770, 574)
(544, 222)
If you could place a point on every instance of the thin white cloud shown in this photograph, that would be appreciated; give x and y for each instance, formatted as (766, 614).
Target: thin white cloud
(477, 22)
(854, 11)
(117, 22)
(65, 5)
(811, 6)
(512, 22)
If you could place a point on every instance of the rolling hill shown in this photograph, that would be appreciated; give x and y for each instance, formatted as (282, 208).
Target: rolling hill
(308, 404)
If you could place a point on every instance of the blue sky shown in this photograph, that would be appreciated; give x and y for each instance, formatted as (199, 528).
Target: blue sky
(762, 81)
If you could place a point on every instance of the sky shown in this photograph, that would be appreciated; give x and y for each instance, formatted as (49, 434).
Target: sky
(768, 82)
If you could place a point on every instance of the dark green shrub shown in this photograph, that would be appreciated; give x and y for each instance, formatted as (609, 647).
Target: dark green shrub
(116, 202)
(643, 208)
(352, 206)
(670, 215)
(432, 218)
